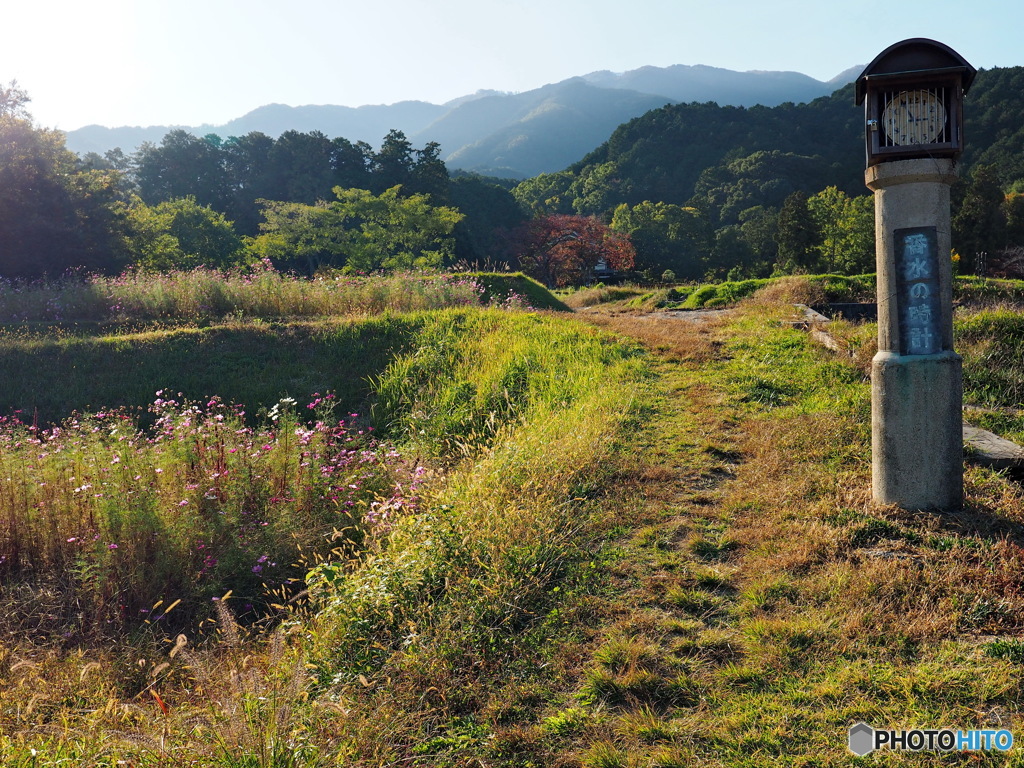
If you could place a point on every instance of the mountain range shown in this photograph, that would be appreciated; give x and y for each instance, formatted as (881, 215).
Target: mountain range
(517, 135)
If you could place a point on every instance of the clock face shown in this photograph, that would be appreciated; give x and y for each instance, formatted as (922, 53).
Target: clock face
(914, 117)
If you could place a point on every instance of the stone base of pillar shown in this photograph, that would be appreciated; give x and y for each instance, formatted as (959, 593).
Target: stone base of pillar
(917, 430)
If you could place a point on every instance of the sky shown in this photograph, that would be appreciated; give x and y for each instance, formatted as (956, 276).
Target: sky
(205, 62)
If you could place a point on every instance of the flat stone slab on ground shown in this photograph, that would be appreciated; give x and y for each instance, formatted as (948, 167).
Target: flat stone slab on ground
(990, 450)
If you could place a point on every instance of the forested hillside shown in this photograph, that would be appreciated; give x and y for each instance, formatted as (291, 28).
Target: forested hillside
(994, 116)
(665, 153)
(516, 135)
(730, 173)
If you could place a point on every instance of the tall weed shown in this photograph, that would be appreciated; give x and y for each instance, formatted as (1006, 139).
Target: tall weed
(127, 524)
(206, 294)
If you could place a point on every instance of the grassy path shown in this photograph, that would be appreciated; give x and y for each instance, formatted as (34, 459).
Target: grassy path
(762, 604)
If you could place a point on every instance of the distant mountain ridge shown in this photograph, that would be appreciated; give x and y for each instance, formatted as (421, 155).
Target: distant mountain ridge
(508, 134)
(539, 131)
(683, 83)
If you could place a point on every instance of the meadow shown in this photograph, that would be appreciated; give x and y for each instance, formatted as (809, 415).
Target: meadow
(129, 528)
(487, 535)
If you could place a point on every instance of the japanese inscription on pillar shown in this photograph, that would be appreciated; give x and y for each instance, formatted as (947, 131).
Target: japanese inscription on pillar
(917, 290)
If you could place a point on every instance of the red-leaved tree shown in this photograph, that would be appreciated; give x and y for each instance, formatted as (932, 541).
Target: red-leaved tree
(562, 250)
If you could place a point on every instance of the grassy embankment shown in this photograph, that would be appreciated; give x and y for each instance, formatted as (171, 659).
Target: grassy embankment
(113, 342)
(815, 289)
(616, 561)
(448, 540)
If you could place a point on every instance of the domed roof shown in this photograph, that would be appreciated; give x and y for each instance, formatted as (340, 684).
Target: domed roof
(918, 54)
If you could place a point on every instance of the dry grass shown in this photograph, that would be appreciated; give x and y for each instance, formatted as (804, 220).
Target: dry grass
(693, 341)
(773, 579)
(601, 294)
(789, 290)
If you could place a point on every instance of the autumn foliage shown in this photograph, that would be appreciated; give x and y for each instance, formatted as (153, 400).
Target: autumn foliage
(564, 250)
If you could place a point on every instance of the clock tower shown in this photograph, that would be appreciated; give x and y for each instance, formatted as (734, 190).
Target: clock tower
(913, 106)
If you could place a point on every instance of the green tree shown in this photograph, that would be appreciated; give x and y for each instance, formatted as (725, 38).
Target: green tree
(14, 101)
(490, 211)
(352, 163)
(101, 206)
(55, 215)
(845, 229)
(797, 237)
(731, 255)
(596, 192)
(757, 229)
(306, 236)
(393, 164)
(303, 166)
(1013, 214)
(666, 236)
(182, 234)
(978, 224)
(361, 231)
(860, 254)
(182, 166)
(545, 194)
(250, 176)
(429, 174)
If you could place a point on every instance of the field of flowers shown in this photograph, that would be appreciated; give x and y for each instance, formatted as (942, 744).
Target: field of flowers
(149, 508)
(114, 526)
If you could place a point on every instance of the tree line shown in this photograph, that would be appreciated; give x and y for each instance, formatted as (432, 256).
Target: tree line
(302, 201)
(687, 191)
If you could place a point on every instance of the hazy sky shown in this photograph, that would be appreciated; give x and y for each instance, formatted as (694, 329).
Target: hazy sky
(193, 62)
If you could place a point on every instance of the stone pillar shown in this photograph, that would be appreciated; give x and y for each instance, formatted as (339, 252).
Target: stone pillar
(916, 377)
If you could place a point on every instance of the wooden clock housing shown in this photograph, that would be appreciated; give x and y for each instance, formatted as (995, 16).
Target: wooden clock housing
(929, 76)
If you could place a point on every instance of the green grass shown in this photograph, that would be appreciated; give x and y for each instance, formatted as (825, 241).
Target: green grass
(992, 342)
(987, 291)
(466, 581)
(615, 558)
(47, 377)
(533, 405)
(518, 289)
(818, 609)
(113, 342)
